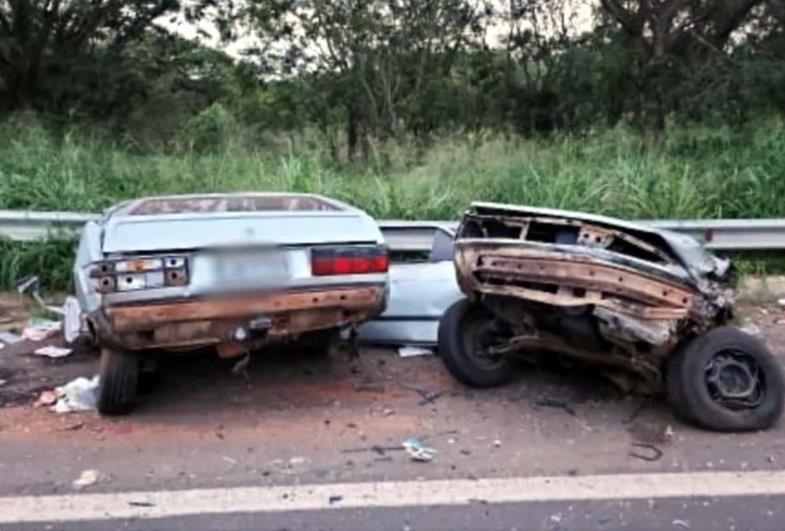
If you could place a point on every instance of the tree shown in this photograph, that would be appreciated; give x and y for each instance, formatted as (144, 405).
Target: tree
(669, 38)
(41, 38)
(376, 62)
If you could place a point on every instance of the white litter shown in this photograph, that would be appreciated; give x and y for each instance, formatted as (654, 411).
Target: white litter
(9, 338)
(39, 329)
(76, 395)
(781, 303)
(52, 351)
(72, 319)
(410, 352)
(417, 451)
(751, 329)
(87, 478)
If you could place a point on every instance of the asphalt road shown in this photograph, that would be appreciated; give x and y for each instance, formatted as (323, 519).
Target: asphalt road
(210, 449)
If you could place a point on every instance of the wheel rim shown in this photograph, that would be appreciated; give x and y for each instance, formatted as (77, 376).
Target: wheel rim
(480, 335)
(734, 380)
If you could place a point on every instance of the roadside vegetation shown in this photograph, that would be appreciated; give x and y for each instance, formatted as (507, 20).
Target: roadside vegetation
(694, 172)
(407, 109)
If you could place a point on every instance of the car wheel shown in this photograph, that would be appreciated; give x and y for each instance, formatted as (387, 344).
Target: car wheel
(726, 380)
(466, 331)
(118, 382)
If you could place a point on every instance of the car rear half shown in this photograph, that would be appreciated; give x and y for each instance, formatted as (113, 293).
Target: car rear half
(236, 271)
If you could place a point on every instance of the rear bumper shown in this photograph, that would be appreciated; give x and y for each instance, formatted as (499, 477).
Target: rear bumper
(255, 318)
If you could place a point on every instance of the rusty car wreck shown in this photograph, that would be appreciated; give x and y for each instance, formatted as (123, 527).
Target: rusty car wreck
(234, 271)
(649, 307)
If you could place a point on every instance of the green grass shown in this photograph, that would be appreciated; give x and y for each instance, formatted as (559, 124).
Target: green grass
(693, 173)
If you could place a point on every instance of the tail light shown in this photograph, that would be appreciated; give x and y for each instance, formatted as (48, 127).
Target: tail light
(356, 260)
(140, 273)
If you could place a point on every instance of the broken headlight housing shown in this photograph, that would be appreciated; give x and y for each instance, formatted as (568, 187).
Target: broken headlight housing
(132, 274)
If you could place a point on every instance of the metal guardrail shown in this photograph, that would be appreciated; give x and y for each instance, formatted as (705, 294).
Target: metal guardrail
(717, 234)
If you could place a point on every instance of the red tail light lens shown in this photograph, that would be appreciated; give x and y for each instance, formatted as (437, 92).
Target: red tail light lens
(349, 260)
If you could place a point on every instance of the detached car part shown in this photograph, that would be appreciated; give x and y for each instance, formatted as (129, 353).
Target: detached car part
(648, 306)
(236, 271)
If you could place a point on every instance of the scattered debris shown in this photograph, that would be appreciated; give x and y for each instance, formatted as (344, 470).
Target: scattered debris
(76, 395)
(52, 351)
(241, 367)
(411, 352)
(3, 382)
(73, 427)
(371, 387)
(46, 398)
(560, 404)
(299, 460)
(9, 338)
(781, 303)
(72, 319)
(417, 451)
(140, 504)
(681, 523)
(87, 478)
(335, 499)
(654, 453)
(375, 448)
(39, 329)
(427, 396)
(751, 329)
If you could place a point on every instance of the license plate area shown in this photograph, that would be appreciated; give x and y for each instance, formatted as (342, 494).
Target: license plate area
(250, 268)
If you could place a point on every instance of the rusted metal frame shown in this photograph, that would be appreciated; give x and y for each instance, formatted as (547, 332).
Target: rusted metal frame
(589, 276)
(636, 310)
(515, 221)
(536, 250)
(146, 316)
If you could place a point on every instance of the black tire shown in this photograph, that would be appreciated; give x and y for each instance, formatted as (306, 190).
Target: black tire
(462, 329)
(118, 383)
(726, 380)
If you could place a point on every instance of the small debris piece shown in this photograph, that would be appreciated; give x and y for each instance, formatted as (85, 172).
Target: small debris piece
(411, 352)
(299, 460)
(781, 303)
(335, 499)
(497, 443)
(241, 367)
(46, 398)
(3, 382)
(375, 448)
(52, 351)
(371, 387)
(560, 404)
(40, 329)
(427, 396)
(76, 395)
(417, 451)
(654, 455)
(87, 478)
(681, 523)
(73, 427)
(72, 319)
(751, 329)
(140, 504)
(9, 338)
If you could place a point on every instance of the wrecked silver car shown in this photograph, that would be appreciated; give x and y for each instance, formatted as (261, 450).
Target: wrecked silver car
(649, 307)
(236, 271)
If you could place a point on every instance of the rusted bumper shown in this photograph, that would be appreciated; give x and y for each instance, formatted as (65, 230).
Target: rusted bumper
(258, 318)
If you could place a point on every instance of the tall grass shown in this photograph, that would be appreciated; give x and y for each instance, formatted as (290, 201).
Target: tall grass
(693, 173)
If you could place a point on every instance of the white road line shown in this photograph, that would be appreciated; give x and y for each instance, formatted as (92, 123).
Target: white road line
(386, 494)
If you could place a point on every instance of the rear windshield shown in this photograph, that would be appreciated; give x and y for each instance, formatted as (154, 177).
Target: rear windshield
(206, 204)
